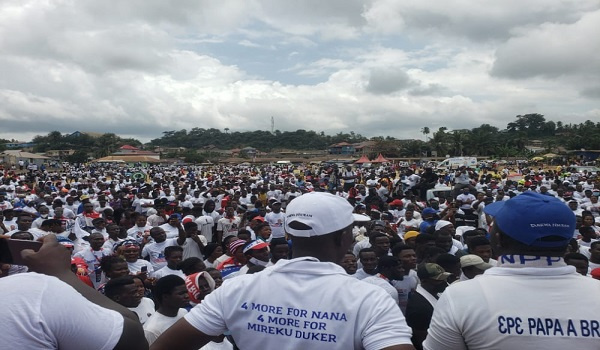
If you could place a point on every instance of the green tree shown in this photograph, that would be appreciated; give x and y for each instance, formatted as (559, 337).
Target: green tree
(413, 149)
(193, 157)
(425, 131)
(78, 157)
(532, 124)
(3, 143)
(483, 140)
(105, 145)
(460, 138)
(439, 141)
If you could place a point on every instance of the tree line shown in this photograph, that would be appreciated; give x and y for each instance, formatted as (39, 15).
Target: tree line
(85, 146)
(485, 140)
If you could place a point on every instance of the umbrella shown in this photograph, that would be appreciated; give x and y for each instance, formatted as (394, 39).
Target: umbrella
(537, 158)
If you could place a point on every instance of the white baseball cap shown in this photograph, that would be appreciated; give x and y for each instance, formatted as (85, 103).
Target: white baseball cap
(473, 260)
(316, 214)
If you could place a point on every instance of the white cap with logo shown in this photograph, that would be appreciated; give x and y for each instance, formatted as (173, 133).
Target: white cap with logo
(317, 214)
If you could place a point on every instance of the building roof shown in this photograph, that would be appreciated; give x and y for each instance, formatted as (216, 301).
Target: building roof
(21, 154)
(135, 152)
(129, 147)
(364, 144)
(341, 144)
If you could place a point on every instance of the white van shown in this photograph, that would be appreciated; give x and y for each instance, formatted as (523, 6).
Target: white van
(457, 162)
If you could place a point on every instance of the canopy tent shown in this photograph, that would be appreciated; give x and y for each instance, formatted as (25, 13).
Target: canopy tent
(362, 160)
(380, 159)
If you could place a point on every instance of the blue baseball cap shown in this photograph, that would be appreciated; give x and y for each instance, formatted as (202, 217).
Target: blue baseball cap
(429, 211)
(534, 219)
(175, 216)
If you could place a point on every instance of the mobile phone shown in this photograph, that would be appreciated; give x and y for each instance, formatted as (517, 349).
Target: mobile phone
(144, 269)
(10, 250)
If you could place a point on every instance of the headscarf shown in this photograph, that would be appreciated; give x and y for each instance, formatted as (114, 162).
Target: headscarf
(191, 283)
(441, 224)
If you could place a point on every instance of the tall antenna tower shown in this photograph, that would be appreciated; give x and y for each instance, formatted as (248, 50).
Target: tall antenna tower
(273, 125)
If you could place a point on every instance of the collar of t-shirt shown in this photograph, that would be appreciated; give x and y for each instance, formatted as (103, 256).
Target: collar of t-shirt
(307, 265)
(384, 278)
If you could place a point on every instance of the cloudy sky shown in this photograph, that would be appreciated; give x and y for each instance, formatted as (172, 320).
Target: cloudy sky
(379, 67)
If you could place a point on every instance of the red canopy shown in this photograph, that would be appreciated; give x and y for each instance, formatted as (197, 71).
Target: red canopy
(362, 160)
(380, 159)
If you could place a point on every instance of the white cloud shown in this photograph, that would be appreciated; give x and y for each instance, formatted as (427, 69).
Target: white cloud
(248, 43)
(379, 67)
(552, 50)
(479, 20)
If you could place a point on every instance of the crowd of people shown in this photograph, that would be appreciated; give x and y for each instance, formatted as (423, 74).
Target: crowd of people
(159, 240)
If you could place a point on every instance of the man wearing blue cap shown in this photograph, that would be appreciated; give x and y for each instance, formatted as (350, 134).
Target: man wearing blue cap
(430, 218)
(171, 227)
(526, 302)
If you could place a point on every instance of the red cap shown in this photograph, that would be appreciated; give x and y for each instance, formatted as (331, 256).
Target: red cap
(397, 202)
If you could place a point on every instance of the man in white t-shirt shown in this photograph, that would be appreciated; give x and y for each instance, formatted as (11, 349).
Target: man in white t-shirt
(275, 220)
(155, 251)
(408, 222)
(228, 225)
(130, 250)
(173, 255)
(409, 281)
(465, 198)
(171, 227)
(92, 256)
(140, 230)
(593, 206)
(278, 307)
(172, 296)
(349, 177)
(125, 291)
(205, 227)
(146, 203)
(157, 216)
(4, 204)
(197, 200)
(106, 324)
(531, 231)
(194, 243)
(388, 270)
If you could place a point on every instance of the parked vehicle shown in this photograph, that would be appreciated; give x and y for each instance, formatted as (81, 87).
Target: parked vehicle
(457, 162)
